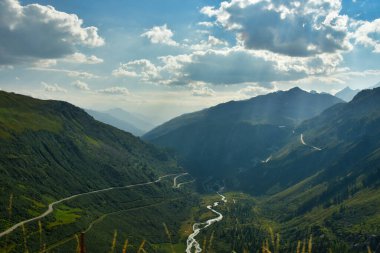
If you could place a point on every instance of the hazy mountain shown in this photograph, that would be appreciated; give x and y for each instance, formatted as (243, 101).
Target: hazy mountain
(347, 94)
(237, 135)
(137, 120)
(52, 149)
(116, 122)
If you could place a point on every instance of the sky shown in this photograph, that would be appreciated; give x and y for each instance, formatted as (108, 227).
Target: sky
(165, 58)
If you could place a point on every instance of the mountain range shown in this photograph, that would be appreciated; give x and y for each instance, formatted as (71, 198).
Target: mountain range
(305, 165)
(237, 135)
(322, 176)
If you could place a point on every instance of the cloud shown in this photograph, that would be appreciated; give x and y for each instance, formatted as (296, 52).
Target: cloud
(237, 65)
(45, 63)
(160, 35)
(200, 89)
(228, 66)
(255, 90)
(211, 42)
(81, 85)
(144, 69)
(368, 34)
(82, 58)
(32, 32)
(53, 87)
(203, 92)
(115, 91)
(293, 28)
(206, 24)
(69, 73)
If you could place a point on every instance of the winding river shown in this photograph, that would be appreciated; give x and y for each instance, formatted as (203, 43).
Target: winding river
(198, 227)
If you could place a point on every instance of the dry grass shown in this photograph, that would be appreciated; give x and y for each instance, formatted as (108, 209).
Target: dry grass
(169, 237)
(113, 246)
(125, 246)
(141, 248)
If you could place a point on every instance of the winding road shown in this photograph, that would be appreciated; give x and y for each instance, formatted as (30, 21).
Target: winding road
(267, 160)
(304, 143)
(197, 227)
(52, 205)
(175, 185)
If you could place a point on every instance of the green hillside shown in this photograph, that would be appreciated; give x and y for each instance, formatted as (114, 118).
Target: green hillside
(52, 149)
(332, 192)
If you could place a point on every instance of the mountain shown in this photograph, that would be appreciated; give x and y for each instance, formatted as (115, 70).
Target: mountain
(331, 183)
(343, 137)
(50, 150)
(116, 122)
(320, 191)
(139, 121)
(347, 94)
(231, 137)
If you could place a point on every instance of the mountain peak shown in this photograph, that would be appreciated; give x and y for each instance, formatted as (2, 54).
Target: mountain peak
(296, 89)
(347, 94)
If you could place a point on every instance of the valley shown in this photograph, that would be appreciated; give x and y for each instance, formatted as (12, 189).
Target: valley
(313, 184)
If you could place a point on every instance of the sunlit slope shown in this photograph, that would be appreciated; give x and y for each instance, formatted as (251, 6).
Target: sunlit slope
(52, 149)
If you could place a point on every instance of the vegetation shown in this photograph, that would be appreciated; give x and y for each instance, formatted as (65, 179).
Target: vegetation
(50, 150)
(301, 200)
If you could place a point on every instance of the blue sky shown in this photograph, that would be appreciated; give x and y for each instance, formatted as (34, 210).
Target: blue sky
(165, 58)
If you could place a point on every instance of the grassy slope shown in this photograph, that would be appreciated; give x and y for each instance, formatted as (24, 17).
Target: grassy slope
(51, 149)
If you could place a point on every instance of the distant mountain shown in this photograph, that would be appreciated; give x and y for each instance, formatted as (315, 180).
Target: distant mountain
(347, 94)
(116, 122)
(231, 137)
(137, 120)
(50, 150)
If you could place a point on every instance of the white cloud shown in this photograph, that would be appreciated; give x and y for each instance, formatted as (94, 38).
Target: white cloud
(45, 63)
(115, 91)
(82, 58)
(206, 24)
(160, 35)
(200, 89)
(211, 42)
(69, 73)
(255, 90)
(368, 34)
(53, 87)
(144, 69)
(303, 28)
(226, 66)
(32, 32)
(203, 92)
(81, 85)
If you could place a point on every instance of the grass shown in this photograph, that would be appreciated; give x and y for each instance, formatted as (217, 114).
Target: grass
(168, 247)
(19, 121)
(64, 216)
